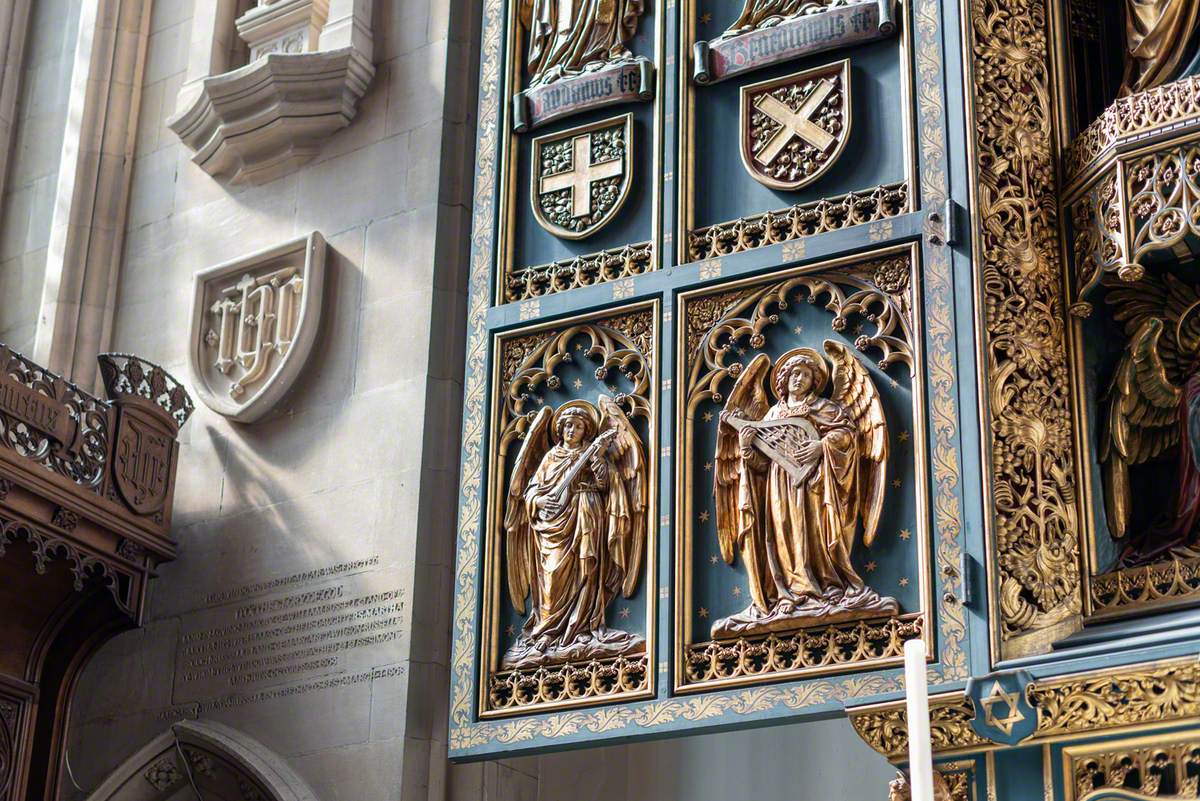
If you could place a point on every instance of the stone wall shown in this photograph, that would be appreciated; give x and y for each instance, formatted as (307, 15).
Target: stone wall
(27, 204)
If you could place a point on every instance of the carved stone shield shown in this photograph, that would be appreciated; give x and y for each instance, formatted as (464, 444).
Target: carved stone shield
(581, 176)
(254, 321)
(142, 460)
(794, 128)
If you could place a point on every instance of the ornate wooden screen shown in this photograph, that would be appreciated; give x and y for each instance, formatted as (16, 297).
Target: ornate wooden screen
(713, 463)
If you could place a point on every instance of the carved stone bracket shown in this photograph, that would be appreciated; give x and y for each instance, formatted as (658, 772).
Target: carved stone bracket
(273, 115)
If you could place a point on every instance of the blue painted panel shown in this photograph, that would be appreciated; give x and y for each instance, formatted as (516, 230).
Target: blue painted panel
(874, 154)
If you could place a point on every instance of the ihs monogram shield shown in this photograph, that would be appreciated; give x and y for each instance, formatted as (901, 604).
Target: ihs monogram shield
(254, 321)
(794, 128)
(581, 176)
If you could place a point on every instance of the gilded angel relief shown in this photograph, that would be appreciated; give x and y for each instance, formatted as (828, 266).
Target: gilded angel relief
(576, 533)
(1151, 408)
(794, 479)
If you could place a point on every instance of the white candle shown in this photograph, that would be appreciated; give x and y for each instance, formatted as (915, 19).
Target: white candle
(920, 747)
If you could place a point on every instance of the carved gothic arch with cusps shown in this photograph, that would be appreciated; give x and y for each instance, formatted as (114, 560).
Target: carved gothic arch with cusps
(221, 763)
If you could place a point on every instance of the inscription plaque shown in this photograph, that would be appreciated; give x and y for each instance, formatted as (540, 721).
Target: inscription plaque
(344, 626)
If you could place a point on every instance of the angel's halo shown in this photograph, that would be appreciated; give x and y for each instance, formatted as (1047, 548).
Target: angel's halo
(588, 409)
(820, 369)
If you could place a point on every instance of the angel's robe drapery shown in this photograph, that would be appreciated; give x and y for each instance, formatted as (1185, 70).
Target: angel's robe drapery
(756, 12)
(1159, 36)
(801, 551)
(580, 553)
(567, 35)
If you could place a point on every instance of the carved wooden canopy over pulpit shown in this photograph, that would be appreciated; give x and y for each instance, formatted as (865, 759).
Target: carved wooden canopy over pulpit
(85, 514)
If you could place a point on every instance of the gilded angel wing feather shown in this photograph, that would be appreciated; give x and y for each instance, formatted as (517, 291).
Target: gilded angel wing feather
(629, 458)
(748, 399)
(854, 390)
(519, 534)
(1141, 420)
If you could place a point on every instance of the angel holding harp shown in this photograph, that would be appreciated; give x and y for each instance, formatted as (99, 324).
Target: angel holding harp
(794, 479)
(575, 533)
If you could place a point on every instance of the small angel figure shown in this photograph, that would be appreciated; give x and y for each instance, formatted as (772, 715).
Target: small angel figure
(576, 532)
(793, 480)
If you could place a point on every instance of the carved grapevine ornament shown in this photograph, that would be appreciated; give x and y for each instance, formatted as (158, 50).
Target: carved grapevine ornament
(1036, 522)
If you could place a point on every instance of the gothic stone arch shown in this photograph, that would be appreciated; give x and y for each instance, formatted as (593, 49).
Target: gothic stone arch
(225, 764)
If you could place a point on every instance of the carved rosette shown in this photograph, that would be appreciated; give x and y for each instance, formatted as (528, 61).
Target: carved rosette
(1034, 523)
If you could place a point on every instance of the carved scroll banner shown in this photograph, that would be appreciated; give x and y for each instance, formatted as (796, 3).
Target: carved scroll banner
(631, 81)
(37, 411)
(736, 52)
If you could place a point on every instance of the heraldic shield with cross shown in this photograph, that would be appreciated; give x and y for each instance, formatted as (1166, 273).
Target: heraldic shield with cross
(581, 176)
(794, 128)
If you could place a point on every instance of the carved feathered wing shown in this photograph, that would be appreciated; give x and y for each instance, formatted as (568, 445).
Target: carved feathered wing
(629, 458)
(854, 390)
(519, 534)
(1141, 420)
(749, 400)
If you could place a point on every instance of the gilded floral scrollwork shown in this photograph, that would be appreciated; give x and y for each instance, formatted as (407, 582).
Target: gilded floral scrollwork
(1167, 767)
(886, 730)
(1035, 516)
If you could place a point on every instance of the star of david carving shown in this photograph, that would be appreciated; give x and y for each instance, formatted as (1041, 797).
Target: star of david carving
(995, 697)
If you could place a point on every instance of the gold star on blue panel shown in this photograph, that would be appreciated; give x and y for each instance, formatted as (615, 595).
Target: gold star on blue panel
(996, 700)
(1003, 713)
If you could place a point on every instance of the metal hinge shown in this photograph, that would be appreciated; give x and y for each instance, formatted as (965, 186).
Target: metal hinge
(941, 226)
(964, 573)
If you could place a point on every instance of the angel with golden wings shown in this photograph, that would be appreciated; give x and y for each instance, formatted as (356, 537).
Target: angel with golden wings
(1150, 409)
(794, 479)
(576, 532)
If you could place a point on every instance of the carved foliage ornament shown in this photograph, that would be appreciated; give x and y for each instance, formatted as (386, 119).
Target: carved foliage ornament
(1070, 705)
(1144, 768)
(581, 177)
(794, 128)
(1035, 519)
(254, 321)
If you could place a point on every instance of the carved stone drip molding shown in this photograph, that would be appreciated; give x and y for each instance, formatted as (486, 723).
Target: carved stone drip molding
(1133, 186)
(266, 119)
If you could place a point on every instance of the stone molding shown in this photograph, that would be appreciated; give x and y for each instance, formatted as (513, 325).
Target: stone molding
(14, 22)
(266, 119)
(91, 204)
(218, 757)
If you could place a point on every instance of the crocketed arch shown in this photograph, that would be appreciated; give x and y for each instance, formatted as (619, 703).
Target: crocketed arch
(225, 765)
